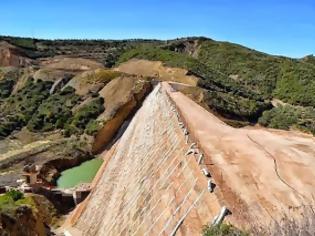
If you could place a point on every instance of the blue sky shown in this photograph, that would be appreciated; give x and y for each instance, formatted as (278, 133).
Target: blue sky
(285, 27)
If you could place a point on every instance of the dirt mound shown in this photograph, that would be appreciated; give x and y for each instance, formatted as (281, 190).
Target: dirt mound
(157, 69)
(52, 74)
(12, 56)
(92, 81)
(71, 64)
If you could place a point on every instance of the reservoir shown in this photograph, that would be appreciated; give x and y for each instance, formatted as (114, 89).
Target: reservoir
(83, 173)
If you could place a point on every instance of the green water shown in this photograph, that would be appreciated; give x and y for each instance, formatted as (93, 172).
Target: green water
(83, 173)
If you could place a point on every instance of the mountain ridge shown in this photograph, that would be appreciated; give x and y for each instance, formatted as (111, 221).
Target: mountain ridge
(64, 102)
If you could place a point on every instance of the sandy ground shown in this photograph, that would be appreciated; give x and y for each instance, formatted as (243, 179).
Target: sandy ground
(70, 64)
(150, 187)
(157, 69)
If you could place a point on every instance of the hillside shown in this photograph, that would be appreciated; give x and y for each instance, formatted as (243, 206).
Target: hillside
(239, 82)
(63, 102)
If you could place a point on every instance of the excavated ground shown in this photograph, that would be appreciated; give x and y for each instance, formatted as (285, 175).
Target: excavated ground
(148, 186)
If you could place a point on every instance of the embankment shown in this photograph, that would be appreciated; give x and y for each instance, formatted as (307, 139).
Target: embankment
(148, 186)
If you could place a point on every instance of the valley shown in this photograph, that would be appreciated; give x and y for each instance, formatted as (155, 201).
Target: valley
(117, 135)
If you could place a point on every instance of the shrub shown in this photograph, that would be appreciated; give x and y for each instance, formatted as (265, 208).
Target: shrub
(17, 110)
(296, 85)
(223, 230)
(93, 127)
(55, 111)
(287, 116)
(6, 87)
(84, 115)
(234, 106)
(15, 194)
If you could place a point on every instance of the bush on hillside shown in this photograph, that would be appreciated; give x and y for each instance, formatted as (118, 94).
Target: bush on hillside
(93, 127)
(17, 110)
(223, 230)
(84, 116)
(55, 111)
(6, 87)
(15, 194)
(287, 116)
(226, 96)
(235, 107)
(296, 85)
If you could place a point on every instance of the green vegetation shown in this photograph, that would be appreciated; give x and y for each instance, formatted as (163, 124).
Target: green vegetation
(93, 127)
(17, 110)
(7, 82)
(240, 81)
(223, 91)
(296, 84)
(288, 79)
(235, 107)
(55, 111)
(223, 230)
(35, 107)
(254, 70)
(102, 75)
(26, 100)
(6, 87)
(287, 116)
(27, 43)
(13, 199)
(84, 116)
(15, 194)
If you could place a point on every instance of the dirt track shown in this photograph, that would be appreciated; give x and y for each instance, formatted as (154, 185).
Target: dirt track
(148, 186)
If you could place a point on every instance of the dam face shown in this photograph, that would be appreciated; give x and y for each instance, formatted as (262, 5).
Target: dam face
(153, 183)
(149, 186)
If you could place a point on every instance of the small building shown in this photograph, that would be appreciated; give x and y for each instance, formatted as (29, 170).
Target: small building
(30, 174)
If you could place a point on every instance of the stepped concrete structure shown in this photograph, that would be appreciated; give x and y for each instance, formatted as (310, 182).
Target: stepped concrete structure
(148, 186)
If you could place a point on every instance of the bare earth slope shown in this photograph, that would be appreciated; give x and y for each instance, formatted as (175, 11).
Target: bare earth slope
(150, 187)
(265, 177)
(12, 56)
(157, 69)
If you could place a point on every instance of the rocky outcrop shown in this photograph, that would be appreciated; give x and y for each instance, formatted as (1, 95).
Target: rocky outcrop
(28, 220)
(92, 81)
(12, 56)
(122, 98)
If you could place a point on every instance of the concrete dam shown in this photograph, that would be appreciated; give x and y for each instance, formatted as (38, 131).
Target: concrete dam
(153, 180)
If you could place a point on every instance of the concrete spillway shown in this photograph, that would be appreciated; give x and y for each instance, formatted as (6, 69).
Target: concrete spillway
(148, 186)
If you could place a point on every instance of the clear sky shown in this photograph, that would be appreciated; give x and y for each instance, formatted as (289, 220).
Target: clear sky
(285, 27)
